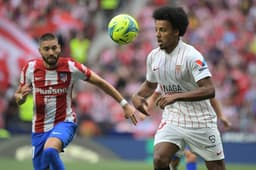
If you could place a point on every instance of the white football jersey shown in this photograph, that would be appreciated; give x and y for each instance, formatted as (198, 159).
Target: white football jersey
(179, 72)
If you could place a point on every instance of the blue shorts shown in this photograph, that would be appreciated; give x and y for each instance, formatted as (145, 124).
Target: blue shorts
(64, 131)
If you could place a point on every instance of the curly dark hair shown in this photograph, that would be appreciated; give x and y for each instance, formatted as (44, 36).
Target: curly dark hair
(175, 15)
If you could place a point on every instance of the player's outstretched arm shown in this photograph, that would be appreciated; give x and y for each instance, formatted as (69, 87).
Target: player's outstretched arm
(21, 93)
(217, 109)
(129, 110)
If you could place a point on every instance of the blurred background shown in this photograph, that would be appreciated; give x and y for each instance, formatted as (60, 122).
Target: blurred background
(223, 30)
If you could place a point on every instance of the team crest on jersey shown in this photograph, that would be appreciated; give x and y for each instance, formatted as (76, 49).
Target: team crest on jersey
(63, 77)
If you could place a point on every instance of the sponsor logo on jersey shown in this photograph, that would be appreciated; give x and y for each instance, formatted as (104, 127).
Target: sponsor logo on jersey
(202, 64)
(210, 146)
(51, 90)
(56, 133)
(171, 88)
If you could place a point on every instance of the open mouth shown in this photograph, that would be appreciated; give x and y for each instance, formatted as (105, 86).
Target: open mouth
(159, 43)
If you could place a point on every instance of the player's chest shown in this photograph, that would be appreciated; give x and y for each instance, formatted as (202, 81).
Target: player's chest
(170, 68)
(51, 78)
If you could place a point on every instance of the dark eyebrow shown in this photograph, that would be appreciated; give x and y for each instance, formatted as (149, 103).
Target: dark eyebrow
(50, 47)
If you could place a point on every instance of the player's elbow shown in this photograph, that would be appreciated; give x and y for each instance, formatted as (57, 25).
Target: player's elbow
(210, 91)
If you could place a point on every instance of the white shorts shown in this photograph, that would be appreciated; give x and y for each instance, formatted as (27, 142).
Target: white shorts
(205, 142)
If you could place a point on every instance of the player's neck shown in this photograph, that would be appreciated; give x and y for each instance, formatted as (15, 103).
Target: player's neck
(172, 47)
(50, 67)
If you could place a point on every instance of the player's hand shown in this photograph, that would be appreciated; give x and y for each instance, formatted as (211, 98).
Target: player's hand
(22, 92)
(140, 116)
(129, 113)
(141, 104)
(164, 100)
(227, 124)
(25, 90)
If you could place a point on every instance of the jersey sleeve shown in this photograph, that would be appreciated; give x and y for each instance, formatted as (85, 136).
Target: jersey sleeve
(150, 76)
(80, 71)
(26, 73)
(198, 66)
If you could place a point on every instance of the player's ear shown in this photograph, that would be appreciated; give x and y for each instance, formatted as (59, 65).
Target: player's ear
(39, 49)
(59, 48)
(176, 32)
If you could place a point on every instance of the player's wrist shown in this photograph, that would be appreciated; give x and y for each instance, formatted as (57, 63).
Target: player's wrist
(123, 102)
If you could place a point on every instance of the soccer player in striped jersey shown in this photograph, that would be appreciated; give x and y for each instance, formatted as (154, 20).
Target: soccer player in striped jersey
(190, 157)
(51, 79)
(184, 77)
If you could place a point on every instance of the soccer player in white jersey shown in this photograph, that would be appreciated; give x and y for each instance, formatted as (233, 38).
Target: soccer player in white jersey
(51, 80)
(183, 75)
(190, 157)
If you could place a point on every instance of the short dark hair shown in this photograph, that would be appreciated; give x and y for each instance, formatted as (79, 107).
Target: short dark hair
(175, 15)
(47, 36)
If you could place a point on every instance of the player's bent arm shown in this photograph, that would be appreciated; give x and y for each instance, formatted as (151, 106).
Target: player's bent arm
(205, 90)
(139, 99)
(216, 107)
(146, 89)
(152, 100)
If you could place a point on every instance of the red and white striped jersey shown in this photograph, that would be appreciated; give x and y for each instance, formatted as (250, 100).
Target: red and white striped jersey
(178, 72)
(52, 91)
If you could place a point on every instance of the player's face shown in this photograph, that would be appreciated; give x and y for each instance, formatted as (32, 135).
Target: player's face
(50, 51)
(167, 37)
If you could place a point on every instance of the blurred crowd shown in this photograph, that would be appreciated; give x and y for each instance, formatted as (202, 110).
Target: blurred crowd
(223, 30)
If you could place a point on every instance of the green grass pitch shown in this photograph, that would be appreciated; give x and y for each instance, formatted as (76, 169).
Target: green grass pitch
(105, 165)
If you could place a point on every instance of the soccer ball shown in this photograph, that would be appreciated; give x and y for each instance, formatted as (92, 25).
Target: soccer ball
(123, 29)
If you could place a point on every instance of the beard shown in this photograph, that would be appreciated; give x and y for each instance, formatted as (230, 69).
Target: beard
(51, 60)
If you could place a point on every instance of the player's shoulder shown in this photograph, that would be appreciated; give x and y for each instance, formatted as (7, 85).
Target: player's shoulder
(69, 64)
(34, 62)
(65, 63)
(66, 59)
(191, 51)
(155, 52)
(187, 46)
